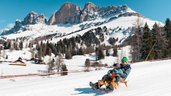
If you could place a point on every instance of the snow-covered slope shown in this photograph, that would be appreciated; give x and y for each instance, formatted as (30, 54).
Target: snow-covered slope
(145, 79)
(40, 30)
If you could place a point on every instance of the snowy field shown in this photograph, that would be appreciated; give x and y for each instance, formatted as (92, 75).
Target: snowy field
(74, 64)
(145, 79)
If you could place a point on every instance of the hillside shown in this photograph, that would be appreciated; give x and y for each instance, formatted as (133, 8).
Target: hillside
(145, 79)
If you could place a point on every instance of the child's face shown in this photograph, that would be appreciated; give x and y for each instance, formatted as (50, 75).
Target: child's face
(113, 73)
(124, 63)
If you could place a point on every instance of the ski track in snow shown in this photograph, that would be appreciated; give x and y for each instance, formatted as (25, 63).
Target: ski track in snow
(145, 79)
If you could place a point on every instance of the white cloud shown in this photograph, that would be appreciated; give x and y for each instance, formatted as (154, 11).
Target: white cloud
(9, 26)
(1, 31)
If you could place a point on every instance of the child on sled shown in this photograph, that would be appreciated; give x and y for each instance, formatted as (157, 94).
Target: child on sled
(118, 74)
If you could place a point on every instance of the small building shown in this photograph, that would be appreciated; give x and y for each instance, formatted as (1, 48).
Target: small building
(18, 62)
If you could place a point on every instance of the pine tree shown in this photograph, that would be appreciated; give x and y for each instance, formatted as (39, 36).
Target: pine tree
(15, 44)
(64, 70)
(104, 29)
(68, 55)
(168, 36)
(59, 62)
(32, 50)
(87, 64)
(168, 27)
(136, 40)
(48, 49)
(101, 37)
(100, 54)
(30, 45)
(39, 49)
(21, 45)
(107, 52)
(136, 44)
(7, 45)
(112, 41)
(147, 44)
(115, 51)
(97, 52)
(44, 48)
(80, 51)
(11, 45)
(159, 42)
(51, 65)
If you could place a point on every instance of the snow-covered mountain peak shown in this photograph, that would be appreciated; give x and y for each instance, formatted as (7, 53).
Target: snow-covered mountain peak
(34, 18)
(70, 20)
(130, 10)
(89, 5)
(90, 12)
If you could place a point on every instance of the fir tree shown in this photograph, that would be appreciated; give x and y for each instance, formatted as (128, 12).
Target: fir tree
(107, 53)
(51, 65)
(68, 55)
(136, 44)
(81, 52)
(115, 51)
(39, 49)
(15, 44)
(168, 27)
(159, 42)
(101, 37)
(64, 70)
(48, 49)
(21, 45)
(59, 62)
(7, 45)
(87, 64)
(168, 36)
(147, 44)
(104, 29)
(100, 54)
(30, 45)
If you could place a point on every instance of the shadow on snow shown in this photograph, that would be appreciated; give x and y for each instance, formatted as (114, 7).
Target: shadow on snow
(90, 91)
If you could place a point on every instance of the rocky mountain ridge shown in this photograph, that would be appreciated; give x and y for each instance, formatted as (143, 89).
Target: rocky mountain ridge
(72, 14)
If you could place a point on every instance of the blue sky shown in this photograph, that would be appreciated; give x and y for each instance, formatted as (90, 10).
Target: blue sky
(10, 10)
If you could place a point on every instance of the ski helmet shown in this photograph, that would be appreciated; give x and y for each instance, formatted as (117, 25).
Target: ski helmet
(125, 59)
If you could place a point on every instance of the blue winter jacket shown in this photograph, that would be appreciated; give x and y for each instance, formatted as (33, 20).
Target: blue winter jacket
(123, 70)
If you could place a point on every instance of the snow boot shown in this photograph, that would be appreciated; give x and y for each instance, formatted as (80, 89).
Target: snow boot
(109, 88)
(94, 86)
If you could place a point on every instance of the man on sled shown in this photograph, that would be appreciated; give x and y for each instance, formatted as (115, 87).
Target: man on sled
(118, 74)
